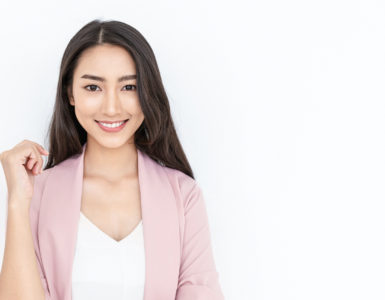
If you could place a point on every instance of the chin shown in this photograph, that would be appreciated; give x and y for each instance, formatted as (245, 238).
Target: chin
(111, 143)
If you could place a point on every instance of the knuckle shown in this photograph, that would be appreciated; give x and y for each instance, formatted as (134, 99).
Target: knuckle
(2, 155)
(5, 154)
(38, 146)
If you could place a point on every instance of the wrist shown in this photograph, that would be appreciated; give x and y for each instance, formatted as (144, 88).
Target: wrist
(16, 202)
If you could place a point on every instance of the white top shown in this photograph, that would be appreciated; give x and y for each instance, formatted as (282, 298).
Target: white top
(106, 269)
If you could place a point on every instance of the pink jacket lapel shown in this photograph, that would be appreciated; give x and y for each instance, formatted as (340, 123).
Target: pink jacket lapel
(58, 225)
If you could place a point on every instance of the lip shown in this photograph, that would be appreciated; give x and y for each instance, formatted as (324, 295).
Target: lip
(115, 129)
(110, 122)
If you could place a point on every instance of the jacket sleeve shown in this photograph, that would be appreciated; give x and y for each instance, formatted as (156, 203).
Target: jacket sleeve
(198, 277)
(39, 181)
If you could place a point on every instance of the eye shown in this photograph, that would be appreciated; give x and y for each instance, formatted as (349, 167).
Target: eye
(132, 87)
(93, 85)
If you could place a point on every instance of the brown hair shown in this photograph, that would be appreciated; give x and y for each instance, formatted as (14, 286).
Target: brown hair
(156, 136)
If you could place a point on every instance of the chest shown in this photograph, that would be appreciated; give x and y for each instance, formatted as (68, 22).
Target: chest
(114, 208)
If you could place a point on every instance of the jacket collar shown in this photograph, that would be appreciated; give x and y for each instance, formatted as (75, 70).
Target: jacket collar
(59, 220)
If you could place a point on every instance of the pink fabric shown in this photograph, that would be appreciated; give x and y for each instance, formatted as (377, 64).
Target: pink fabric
(179, 258)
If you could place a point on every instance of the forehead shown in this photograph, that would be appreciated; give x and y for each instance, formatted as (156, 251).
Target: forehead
(105, 60)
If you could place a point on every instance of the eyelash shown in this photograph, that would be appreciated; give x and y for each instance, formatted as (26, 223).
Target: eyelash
(133, 85)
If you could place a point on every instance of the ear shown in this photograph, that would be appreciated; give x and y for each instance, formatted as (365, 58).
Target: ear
(70, 97)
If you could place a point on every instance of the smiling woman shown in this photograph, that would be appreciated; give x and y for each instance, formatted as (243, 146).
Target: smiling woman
(115, 162)
(109, 74)
(107, 106)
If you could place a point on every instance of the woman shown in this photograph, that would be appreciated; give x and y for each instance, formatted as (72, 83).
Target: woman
(116, 213)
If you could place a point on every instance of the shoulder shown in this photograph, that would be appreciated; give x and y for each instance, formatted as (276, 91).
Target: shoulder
(41, 179)
(184, 181)
(185, 187)
(181, 183)
(38, 189)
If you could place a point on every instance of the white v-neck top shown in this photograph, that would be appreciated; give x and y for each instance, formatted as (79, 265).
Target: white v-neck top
(106, 269)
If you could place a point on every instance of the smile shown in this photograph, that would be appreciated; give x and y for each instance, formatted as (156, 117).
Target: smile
(112, 127)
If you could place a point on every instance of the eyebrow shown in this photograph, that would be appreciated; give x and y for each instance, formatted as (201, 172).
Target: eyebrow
(94, 77)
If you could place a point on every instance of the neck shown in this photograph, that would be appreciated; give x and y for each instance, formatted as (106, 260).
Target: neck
(111, 164)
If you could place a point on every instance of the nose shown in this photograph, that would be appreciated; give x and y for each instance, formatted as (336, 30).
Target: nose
(111, 104)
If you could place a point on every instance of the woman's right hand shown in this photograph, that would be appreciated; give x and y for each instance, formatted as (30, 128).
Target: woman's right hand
(20, 165)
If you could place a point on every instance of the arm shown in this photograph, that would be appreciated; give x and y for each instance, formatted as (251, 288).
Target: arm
(198, 277)
(19, 277)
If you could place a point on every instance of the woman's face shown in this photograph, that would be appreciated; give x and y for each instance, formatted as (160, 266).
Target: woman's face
(101, 94)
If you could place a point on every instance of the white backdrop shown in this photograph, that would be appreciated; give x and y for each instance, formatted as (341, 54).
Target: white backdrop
(279, 106)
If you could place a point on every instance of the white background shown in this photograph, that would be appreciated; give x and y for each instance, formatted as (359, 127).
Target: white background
(280, 108)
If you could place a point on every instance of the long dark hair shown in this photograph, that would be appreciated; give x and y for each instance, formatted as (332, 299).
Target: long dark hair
(156, 136)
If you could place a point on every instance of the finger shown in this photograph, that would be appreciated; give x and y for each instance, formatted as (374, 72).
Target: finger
(41, 148)
(31, 162)
(39, 161)
(36, 168)
(32, 165)
(28, 153)
(32, 157)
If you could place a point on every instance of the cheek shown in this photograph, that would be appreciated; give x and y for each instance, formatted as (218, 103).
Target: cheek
(86, 105)
(84, 113)
(136, 107)
(132, 105)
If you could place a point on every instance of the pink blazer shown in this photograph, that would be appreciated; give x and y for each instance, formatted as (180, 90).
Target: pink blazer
(178, 253)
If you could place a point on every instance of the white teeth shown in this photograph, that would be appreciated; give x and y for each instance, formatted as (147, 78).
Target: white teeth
(113, 125)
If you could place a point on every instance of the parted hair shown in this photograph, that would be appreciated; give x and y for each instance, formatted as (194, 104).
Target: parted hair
(156, 136)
